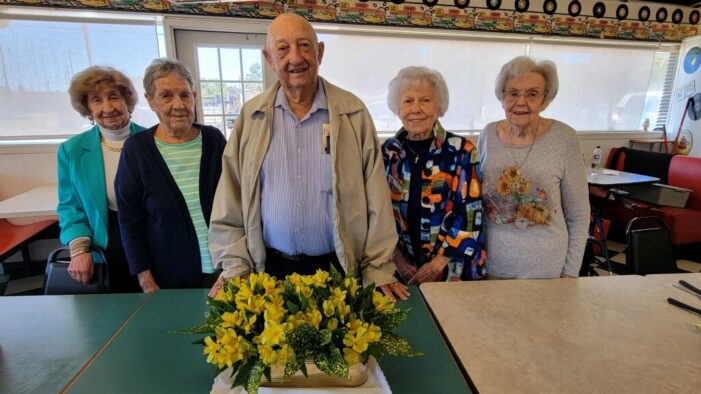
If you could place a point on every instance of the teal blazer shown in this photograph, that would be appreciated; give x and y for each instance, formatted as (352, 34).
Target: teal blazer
(82, 197)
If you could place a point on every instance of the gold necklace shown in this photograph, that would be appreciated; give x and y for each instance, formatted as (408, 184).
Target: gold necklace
(109, 147)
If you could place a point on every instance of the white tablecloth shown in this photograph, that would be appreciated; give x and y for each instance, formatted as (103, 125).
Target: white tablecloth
(376, 384)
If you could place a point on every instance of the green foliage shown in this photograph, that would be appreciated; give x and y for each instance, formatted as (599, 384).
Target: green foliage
(388, 321)
(331, 362)
(397, 345)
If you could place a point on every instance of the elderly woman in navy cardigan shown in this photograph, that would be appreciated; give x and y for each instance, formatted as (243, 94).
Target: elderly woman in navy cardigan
(165, 186)
(87, 164)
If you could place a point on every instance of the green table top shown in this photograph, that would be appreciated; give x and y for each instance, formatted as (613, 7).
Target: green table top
(144, 358)
(46, 340)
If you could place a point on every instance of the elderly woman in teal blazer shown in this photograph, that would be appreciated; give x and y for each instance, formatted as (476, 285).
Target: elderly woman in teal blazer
(87, 164)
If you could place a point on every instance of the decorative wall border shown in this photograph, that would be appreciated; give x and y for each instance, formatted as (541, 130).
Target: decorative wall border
(576, 18)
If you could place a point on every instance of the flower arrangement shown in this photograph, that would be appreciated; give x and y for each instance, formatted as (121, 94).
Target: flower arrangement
(259, 322)
(514, 201)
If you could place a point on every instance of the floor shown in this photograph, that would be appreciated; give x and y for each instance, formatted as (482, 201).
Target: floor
(618, 258)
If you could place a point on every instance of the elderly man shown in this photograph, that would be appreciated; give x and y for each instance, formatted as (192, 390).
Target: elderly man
(303, 183)
(165, 186)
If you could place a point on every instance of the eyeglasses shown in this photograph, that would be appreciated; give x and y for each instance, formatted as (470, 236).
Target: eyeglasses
(532, 96)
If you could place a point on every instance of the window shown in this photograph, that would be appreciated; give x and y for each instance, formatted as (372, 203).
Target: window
(378, 59)
(38, 59)
(228, 78)
(604, 86)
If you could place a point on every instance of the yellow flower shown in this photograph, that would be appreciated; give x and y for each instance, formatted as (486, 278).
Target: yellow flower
(275, 310)
(338, 295)
(360, 335)
(304, 290)
(329, 309)
(381, 302)
(320, 278)
(297, 319)
(230, 319)
(273, 334)
(352, 357)
(352, 285)
(332, 324)
(225, 295)
(314, 317)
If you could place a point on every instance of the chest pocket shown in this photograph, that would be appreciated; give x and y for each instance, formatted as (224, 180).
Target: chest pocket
(326, 180)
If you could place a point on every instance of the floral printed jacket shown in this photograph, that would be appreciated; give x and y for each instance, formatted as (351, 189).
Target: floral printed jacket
(451, 199)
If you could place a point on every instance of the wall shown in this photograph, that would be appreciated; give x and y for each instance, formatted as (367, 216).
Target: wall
(585, 18)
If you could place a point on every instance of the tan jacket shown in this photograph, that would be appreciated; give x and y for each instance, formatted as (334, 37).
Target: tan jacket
(364, 231)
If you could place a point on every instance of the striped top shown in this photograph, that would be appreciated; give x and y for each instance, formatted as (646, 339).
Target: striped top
(183, 161)
(296, 181)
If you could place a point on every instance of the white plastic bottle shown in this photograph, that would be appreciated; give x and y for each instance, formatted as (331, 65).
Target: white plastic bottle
(596, 159)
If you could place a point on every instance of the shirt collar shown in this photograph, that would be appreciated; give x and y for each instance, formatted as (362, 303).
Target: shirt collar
(319, 102)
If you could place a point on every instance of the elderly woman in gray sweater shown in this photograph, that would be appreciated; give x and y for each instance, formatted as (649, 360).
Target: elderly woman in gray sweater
(534, 180)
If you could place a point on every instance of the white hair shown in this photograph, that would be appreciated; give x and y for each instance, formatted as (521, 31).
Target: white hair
(415, 76)
(522, 65)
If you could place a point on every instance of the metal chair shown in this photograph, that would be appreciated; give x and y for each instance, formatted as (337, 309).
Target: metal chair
(649, 248)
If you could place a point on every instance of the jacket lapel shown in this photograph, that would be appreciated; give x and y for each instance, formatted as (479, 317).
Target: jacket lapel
(92, 170)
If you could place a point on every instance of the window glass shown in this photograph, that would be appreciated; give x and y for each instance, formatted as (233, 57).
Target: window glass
(594, 95)
(379, 59)
(34, 91)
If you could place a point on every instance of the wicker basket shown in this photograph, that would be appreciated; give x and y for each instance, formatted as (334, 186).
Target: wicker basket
(357, 375)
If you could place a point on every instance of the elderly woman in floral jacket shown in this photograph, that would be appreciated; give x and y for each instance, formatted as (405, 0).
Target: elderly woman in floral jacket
(432, 176)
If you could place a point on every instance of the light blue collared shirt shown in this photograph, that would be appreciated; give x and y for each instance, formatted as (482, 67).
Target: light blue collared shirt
(296, 181)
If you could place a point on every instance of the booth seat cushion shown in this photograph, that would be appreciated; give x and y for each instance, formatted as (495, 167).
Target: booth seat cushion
(684, 224)
(685, 172)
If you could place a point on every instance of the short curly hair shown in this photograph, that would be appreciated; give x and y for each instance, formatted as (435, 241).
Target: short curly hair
(160, 68)
(415, 76)
(522, 65)
(88, 81)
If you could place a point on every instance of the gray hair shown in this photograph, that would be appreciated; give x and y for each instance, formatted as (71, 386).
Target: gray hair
(415, 76)
(88, 81)
(522, 65)
(160, 68)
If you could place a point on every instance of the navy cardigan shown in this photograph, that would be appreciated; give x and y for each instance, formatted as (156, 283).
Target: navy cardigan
(155, 224)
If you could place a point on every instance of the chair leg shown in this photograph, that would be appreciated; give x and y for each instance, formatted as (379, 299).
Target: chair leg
(26, 260)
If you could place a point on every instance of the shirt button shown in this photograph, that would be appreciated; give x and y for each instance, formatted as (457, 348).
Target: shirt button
(299, 151)
(299, 177)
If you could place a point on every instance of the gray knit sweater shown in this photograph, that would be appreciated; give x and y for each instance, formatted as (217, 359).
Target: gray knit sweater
(536, 204)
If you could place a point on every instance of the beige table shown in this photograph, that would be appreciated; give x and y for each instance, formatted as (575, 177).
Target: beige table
(597, 334)
(38, 204)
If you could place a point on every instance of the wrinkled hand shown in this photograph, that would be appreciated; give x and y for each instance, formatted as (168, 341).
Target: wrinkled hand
(431, 271)
(216, 287)
(404, 267)
(395, 290)
(81, 268)
(147, 283)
